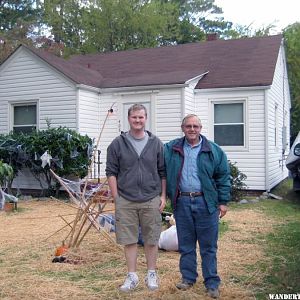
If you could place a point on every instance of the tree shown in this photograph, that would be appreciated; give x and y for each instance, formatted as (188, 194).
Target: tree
(192, 16)
(13, 11)
(109, 25)
(19, 21)
(113, 25)
(292, 47)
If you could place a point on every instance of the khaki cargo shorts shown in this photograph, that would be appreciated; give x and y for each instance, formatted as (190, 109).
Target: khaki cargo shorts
(130, 215)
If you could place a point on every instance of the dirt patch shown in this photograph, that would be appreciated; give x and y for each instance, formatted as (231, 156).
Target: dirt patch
(29, 237)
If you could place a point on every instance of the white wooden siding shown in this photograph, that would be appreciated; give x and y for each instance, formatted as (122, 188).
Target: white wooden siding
(25, 78)
(166, 113)
(250, 160)
(278, 96)
(169, 114)
(89, 113)
(189, 101)
(111, 129)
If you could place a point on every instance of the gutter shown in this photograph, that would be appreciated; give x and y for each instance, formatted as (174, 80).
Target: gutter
(244, 88)
(88, 88)
(198, 77)
(141, 88)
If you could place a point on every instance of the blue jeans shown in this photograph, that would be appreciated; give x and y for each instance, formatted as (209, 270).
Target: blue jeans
(194, 223)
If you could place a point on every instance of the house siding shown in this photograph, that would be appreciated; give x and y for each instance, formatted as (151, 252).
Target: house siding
(24, 78)
(110, 129)
(165, 110)
(251, 159)
(169, 104)
(27, 79)
(89, 113)
(189, 101)
(278, 96)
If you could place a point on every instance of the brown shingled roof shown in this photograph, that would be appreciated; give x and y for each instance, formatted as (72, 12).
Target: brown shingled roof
(230, 63)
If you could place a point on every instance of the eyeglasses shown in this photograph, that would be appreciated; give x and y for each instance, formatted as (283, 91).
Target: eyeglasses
(192, 126)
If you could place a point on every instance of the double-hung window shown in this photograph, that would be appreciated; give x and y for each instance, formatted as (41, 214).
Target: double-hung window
(229, 124)
(24, 117)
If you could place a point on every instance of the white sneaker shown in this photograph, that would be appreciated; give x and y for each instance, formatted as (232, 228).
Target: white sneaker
(152, 281)
(131, 282)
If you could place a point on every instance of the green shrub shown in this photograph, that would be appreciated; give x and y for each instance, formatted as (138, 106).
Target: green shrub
(237, 184)
(71, 154)
(6, 174)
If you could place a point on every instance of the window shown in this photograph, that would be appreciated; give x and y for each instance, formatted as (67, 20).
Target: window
(229, 124)
(24, 117)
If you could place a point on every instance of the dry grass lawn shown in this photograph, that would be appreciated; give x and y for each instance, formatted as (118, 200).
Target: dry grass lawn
(97, 268)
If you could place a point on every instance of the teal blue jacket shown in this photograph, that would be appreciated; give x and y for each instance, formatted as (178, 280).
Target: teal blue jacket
(213, 171)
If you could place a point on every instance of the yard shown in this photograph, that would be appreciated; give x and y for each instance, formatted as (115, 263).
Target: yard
(248, 256)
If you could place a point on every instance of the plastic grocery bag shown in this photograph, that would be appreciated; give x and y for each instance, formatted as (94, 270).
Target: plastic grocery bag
(168, 239)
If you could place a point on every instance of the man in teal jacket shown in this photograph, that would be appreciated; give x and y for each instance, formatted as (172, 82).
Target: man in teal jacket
(198, 184)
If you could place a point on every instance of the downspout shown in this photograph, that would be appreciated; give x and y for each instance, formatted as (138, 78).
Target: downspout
(267, 184)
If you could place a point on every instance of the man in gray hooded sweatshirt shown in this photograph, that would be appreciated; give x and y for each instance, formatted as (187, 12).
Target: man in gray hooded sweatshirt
(136, 177)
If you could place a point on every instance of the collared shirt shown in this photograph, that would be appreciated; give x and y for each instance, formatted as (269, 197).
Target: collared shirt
(190, 181)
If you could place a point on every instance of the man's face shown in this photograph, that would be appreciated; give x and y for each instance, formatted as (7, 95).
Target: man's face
(192, 129)
(137, 120)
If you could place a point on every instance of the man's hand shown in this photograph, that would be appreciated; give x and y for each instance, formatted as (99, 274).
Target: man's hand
(162, 204)
(223, 210)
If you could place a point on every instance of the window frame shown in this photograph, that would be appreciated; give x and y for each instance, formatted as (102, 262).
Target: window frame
(23, 103)
(242, 101)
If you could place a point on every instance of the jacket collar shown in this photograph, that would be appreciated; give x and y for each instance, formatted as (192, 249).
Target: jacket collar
(178, 145)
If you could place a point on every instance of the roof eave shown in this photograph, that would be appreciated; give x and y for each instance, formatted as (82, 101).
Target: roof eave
(141, 88)
(228, 89)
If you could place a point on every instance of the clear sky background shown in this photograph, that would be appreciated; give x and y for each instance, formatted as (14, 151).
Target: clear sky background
(261, 13)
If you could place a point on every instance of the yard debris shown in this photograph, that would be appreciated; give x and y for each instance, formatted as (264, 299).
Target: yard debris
(90, 206)
(90, 199)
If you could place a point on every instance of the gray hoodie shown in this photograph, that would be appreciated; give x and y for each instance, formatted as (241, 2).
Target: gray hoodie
(138, 177)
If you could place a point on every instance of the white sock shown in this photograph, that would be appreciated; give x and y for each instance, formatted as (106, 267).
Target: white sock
(151, 271)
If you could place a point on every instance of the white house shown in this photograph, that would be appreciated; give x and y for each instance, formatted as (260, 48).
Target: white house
(239, 89)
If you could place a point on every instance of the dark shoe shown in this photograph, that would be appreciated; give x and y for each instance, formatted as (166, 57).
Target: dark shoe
(184, 285)
(213, 293)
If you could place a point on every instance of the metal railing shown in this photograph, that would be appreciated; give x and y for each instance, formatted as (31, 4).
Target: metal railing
(96, 170)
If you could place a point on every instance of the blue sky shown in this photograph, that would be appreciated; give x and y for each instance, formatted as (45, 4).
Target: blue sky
(261, 13)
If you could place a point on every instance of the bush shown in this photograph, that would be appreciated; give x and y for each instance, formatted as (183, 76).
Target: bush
(237, 184)
(71, 154)
(6, 174)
